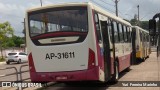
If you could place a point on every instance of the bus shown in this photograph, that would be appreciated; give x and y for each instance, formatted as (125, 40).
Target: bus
(141, 45)
(76, 42)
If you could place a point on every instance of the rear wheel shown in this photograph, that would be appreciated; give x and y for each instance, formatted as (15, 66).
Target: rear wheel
(142, 59)
(7, 62)
(116, 74)
(19, 61)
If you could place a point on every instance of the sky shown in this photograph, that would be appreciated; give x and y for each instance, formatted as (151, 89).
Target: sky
(14, 10)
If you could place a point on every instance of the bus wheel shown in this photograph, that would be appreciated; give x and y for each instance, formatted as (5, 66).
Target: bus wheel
(142, 59)
(8, 62)
(116, 74)
(19, 61)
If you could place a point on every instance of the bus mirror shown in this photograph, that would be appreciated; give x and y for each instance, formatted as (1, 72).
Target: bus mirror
(152, 27)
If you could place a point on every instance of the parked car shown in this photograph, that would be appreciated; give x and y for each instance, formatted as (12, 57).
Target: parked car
(16, 57)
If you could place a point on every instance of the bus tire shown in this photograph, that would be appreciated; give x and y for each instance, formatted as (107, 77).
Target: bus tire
(116, 74)
(19, 61)
(7, 62)
(142, 59)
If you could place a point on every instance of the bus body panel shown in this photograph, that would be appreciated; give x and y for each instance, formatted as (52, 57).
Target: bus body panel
(43, 57)
(142, 43)
(46, 65)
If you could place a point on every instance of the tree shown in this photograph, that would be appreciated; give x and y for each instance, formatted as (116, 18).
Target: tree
(144, 25)
(5, 31)
(17, 41)
(134, 22)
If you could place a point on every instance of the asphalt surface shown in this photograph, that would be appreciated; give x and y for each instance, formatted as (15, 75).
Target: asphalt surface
(144, 71)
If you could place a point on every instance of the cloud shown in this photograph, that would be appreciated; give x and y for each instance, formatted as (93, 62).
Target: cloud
(14, 14)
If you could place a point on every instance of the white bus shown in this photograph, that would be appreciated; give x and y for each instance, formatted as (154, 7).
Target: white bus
(141, 45)
(76, 42)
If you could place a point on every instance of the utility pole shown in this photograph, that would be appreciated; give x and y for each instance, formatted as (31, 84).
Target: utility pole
(41, 2)
(138, 14)
(24, 25)
(116, 3)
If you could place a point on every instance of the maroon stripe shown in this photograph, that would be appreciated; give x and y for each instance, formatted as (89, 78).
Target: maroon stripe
(55, 34)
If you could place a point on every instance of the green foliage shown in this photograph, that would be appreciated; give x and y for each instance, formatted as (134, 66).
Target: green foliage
(142, 24)
(2, 59)
(134, 22)
(14, 41)
(5, 30)
(7, 39)
(18, 41)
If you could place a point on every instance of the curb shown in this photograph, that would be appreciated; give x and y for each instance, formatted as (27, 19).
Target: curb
(2, 63)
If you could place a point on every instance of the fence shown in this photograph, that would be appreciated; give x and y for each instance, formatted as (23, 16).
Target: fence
(17, 74)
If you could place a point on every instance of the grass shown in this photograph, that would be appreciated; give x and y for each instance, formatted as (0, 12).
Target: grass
(2, 59)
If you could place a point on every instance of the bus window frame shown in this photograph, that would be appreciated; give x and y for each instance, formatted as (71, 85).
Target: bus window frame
(115, 23)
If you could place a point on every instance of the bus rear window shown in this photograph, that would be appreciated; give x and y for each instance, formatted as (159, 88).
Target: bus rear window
(10, 54)
(66, 19)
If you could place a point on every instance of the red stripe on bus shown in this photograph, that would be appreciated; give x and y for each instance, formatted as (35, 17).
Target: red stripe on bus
(90, 75)
(55, 34)
(124, 62)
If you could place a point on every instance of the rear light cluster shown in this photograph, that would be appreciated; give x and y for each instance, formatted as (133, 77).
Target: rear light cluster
(31, 64)
(91, 61)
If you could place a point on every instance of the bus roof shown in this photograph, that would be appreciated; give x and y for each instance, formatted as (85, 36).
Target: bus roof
(112, 16)
(57, 5)
(93, 6)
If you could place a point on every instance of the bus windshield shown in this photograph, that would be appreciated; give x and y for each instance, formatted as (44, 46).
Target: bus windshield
(69, 19)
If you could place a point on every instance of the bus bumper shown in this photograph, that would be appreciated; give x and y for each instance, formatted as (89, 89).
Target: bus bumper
(84, 75)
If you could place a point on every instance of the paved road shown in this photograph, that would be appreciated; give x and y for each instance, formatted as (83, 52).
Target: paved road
(145, 71)
(9, 71)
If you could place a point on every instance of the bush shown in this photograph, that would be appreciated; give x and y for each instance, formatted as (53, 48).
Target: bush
(2, 59)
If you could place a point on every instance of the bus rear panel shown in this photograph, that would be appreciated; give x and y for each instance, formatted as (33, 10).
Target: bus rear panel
(59, 45)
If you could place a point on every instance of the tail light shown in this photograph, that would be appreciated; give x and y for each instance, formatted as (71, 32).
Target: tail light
(91, 61)
(31, 63)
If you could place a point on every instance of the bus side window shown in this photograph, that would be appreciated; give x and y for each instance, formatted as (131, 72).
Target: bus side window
(129, 34)
(120, 33)
(125, 34)
(140, 36)
(144, 37)
(110, 30)
(97, 28)
(116, 36)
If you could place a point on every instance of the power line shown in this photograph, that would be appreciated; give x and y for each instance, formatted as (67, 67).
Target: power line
(102, 6)
(106, 3)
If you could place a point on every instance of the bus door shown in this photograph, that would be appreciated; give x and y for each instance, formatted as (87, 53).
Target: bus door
(107, 51)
